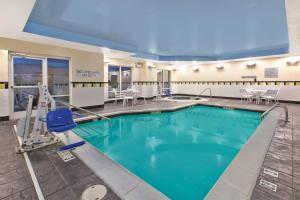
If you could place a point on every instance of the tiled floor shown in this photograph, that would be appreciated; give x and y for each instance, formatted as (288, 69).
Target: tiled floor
(61, 180)
(283, 157)
(15, 181)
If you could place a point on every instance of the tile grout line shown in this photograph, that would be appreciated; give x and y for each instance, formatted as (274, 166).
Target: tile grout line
(31, 171)
(61, 176)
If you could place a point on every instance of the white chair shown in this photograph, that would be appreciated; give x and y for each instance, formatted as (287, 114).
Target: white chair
(141, 96)
(128, 95)
(245, 95)
(271, 95)
(116, 95)
(138, 93)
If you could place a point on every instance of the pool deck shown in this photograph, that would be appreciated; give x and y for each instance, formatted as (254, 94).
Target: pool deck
(283, 156)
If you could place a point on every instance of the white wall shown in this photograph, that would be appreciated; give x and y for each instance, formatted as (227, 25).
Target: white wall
(4, 100)
(287, 93)
(80, 96)
(233, 71)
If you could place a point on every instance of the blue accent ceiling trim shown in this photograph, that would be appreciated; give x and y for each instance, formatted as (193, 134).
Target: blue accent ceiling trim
(168, 30)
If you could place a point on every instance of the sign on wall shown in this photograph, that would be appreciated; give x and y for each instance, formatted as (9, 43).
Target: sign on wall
(271, 72)
(87, 73)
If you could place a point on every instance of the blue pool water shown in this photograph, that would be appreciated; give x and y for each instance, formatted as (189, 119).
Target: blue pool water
(182, 153)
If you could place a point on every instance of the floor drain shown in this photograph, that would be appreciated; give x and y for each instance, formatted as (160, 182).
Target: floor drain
(271, 172)
(268, 185)
(66, 155)
(95, 192)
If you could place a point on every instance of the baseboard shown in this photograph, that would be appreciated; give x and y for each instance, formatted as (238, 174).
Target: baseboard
(139, 98)
(90, 107)
(4, 118)
(235, 98)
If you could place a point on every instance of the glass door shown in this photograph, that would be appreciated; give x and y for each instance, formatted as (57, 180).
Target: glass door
(119, 79)
(164, 78)
(126, 78)
(114, 78)
(58, 79)
(27, 73)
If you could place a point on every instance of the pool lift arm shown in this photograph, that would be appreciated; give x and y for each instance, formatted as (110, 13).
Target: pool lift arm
(39, 136)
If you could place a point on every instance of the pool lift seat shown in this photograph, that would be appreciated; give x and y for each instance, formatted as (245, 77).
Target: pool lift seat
(61, 121)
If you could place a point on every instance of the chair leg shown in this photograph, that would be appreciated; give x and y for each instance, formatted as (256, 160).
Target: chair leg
(124, 102)
(144, 100)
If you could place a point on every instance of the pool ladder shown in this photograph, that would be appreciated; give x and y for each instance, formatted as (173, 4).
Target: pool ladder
(277, 105)
(206, 89)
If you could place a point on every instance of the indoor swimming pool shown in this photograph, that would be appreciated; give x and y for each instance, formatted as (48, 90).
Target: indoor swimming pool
(182, 153)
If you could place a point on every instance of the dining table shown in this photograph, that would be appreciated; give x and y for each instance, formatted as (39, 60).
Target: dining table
(257, 94)
(135, 93)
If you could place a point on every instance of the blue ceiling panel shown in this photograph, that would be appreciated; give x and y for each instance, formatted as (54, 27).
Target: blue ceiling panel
(168, 29)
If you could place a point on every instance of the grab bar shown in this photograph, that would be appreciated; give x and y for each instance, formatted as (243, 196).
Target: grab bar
(276, 106)
(84, 110)
(209, 89)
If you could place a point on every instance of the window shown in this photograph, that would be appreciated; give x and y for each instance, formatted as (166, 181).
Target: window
(58, 77)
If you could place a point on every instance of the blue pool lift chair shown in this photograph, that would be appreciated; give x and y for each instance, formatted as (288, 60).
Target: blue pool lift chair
(167, 92)
(61, 121)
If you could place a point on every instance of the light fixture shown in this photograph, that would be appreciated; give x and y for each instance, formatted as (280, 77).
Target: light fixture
(293, 61)
(138, 65)
(251, 64)
(220, 67)
(195, 68)
(151, 66)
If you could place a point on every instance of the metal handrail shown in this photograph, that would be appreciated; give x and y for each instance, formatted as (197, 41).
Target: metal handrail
(84, 110)
(209, 89)
(276, 106)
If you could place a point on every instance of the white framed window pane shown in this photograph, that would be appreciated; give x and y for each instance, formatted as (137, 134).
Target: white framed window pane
(58, 76)
(126, 78)
(27, 71)
(21, 98)
(63, 99)
(113, 80)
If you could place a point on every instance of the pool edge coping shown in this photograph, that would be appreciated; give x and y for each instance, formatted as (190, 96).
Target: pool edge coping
(147, 188)
(238, 180)
(172, 109)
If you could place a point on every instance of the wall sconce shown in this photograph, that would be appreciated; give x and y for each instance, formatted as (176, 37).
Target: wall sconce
(195, 68)
(251, 65)
(138, 65)
(220, 67)
(151, 66)
(292, 62)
